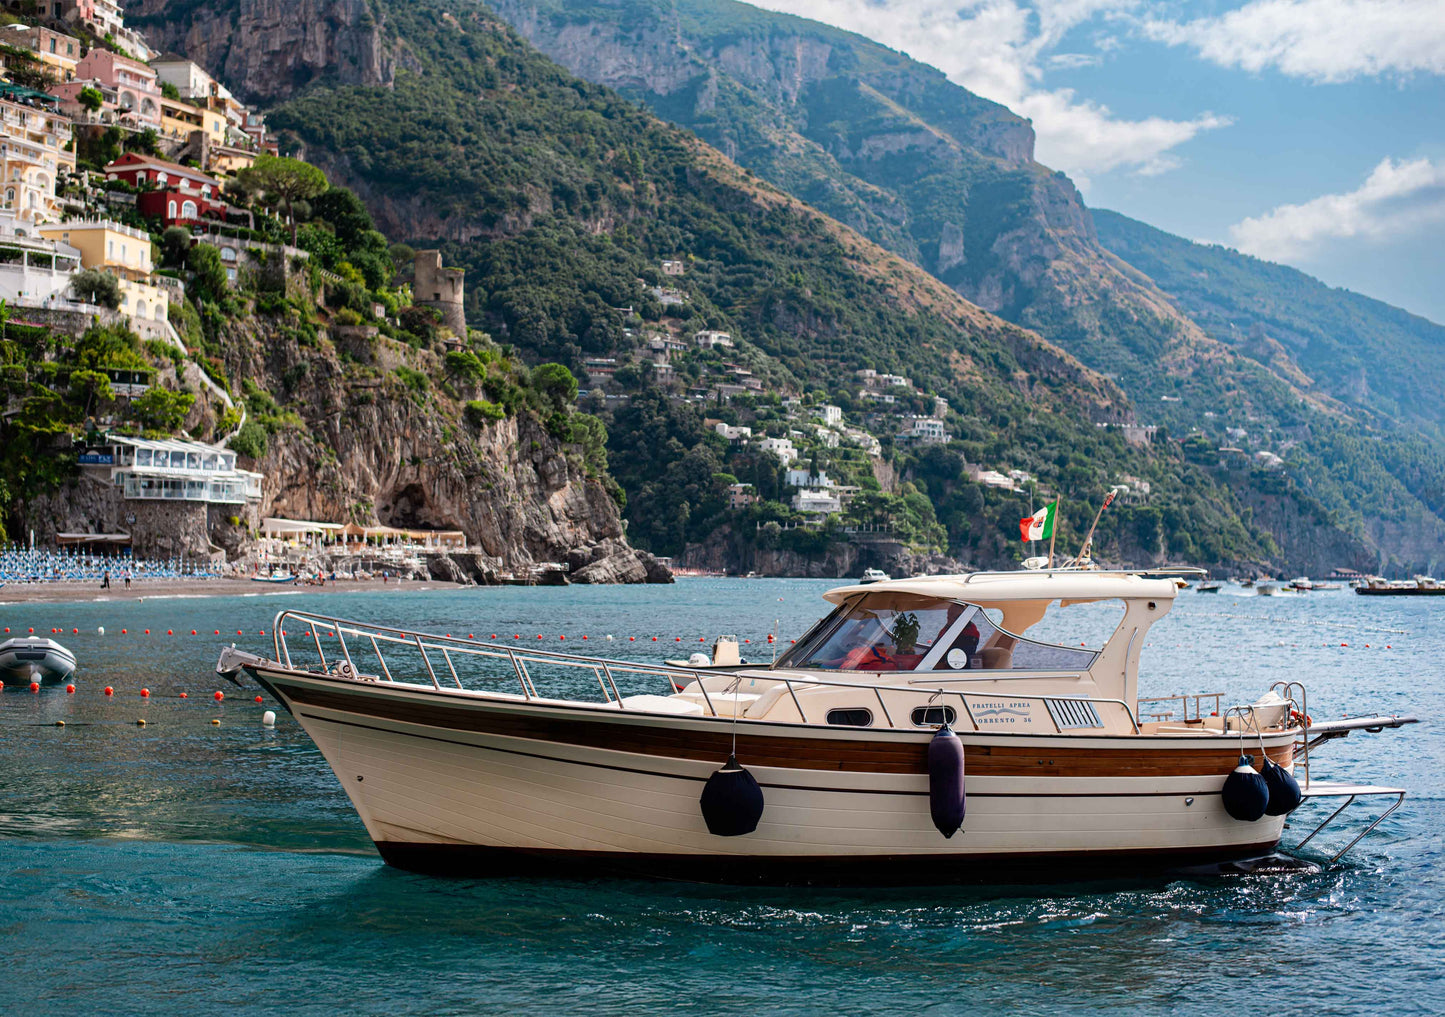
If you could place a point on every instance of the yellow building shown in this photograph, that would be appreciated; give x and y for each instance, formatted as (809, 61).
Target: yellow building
(226, 160)
(179, 119)
(126, 253)
(33, 144)
(57, 51)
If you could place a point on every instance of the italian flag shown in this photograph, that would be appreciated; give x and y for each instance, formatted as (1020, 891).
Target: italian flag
(1040, 525)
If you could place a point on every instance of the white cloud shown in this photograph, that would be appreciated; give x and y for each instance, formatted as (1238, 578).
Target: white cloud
(1396, 200)
(999, 49)
(1320, 40)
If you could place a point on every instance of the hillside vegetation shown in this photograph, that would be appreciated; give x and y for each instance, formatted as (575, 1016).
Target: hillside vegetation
(561, 199)
(1382, 362)
(947, 180)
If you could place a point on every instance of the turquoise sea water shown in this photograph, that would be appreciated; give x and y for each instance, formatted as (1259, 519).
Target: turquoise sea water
(189, 868)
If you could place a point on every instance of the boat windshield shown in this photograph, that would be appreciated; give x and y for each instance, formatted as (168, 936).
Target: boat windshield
(907, 632)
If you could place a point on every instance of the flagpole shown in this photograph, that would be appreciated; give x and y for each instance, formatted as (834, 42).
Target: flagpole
(1054, 530)
(1097, 516)
(1033, 544)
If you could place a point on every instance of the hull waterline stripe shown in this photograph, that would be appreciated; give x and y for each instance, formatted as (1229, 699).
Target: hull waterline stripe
(827, 870)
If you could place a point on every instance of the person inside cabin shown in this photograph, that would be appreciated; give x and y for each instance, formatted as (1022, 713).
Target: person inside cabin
(968, 642)
(953, 612)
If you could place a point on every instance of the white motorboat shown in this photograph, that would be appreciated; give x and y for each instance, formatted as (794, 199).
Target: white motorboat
(843, 762)
(35, 659)
(726, 655)
(873, 576)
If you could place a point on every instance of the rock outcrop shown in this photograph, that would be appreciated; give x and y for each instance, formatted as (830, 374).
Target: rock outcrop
(374, 449)
(267, 50)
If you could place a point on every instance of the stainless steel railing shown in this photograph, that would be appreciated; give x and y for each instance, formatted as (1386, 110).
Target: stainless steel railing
(522, 662)
(1184, 700)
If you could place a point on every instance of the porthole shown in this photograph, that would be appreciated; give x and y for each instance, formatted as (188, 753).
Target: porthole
(933, 716)
(851, 718)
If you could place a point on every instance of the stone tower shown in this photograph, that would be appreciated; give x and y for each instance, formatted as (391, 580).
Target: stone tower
(434, 286)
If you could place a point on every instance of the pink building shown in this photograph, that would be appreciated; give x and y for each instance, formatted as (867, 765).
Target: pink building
(137, 94)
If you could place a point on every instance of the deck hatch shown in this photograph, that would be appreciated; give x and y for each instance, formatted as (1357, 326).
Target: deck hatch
(1073, 713)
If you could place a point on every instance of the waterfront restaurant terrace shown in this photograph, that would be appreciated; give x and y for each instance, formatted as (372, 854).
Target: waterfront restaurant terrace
(167, 469)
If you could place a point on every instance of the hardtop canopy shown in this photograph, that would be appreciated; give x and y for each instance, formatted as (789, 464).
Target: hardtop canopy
(995, 587)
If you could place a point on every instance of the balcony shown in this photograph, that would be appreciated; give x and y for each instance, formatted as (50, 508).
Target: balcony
(156, 488)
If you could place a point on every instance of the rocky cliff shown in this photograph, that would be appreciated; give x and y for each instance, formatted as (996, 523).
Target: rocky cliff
(373, 444)
(265, 50)
(365, 429)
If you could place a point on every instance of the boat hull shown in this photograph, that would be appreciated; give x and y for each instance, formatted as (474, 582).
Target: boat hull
(458, 784)
(1368, 591)
(35, 660)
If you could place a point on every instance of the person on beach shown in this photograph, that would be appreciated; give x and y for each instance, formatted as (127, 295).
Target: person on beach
(105, 580)
(127, 579)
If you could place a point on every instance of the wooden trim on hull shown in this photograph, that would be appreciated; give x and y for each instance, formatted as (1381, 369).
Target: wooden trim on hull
(554, 757)
(468, 861)
(902, 752)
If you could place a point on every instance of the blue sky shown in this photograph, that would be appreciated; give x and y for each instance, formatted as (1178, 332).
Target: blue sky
(1310, 132)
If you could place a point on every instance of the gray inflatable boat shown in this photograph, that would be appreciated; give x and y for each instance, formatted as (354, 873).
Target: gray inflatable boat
(33, 659)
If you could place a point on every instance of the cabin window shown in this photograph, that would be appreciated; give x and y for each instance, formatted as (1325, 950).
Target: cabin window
(978, 644)
(854, 717)
(933, 716)
(894, 631)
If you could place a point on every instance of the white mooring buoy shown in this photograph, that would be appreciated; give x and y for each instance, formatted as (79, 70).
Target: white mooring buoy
(268, 719)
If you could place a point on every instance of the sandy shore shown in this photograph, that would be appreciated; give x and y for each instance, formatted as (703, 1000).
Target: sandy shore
(54, 593)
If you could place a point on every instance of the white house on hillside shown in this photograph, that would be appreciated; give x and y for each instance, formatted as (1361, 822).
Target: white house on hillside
(817, 502)
(781, 447)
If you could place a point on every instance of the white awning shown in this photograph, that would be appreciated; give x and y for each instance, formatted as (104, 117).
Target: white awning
(169, 445)
(273, 525)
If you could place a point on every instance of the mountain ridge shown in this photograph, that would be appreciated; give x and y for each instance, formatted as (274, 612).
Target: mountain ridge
(560, 200)
(1015, 238)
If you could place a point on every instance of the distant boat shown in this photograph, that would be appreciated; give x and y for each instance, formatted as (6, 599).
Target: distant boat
(1302, 583)
(1420, 586)
(1207, 588)
(724, 655)
(873, 576)
(1266, 588)
(33, 659)
(274, 579)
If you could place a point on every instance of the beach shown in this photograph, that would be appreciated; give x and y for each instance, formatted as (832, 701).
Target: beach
(144, 589)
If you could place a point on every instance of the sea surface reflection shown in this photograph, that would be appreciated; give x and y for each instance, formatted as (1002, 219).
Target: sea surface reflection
(185, 867)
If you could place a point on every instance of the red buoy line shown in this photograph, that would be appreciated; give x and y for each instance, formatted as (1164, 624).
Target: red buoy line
(770, 638)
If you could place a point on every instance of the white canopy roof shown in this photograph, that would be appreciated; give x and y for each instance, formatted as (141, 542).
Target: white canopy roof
(273, 525)
(994, 587)
(169, 445)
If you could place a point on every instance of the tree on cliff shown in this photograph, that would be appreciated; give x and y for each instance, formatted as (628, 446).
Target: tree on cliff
(282, 183)
(555, 382)
(163, 409)
(94, 286)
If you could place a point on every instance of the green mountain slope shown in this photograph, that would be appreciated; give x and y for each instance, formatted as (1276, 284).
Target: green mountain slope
(947, 180)
(895, 150)
(561, 199)
(1379, 360)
